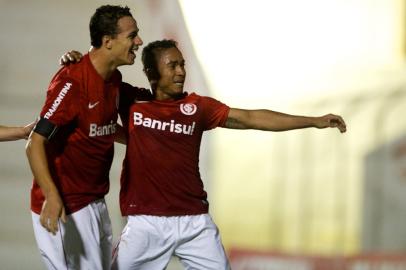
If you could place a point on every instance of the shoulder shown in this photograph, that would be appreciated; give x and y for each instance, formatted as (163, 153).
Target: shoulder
(203, 99)
(134, 92)
(65, 78)
(72, 73)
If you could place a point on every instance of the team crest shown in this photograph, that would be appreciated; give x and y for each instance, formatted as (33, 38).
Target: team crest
(188, 108)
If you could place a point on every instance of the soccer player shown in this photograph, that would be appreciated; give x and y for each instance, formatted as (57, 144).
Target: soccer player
(162, 193)
(8, 133)
(70, 150)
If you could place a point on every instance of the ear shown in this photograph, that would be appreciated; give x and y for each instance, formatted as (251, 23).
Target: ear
(151, 74)
(152, 78)
(107, 42)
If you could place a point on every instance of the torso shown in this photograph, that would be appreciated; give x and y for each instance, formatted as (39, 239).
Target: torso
(161, 173)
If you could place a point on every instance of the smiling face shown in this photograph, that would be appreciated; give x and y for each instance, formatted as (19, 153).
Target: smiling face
(126, 42)
(171, 70)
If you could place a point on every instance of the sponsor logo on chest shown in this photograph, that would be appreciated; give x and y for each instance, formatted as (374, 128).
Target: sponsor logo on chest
(171, 125)
(102, 130)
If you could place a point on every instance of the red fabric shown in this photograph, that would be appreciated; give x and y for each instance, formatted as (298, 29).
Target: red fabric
(160, 172)
(84, 107)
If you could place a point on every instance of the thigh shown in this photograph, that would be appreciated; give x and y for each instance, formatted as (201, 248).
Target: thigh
(200, 245)
(83, 242)
(50, 246)
(87, 237)
(146, 243)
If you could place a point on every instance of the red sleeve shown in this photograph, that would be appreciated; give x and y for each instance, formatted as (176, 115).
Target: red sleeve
(215, 113)
(62, 101)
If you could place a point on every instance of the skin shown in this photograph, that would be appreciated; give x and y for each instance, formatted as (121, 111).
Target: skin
(15, 133)
(169, 86)
(115, 51)
(171, 67)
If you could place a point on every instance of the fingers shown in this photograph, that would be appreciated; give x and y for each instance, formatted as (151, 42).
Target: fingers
(66, 59)
(52, 210)
(338, 122)
(70, 57)
(76, 56)
(64, 217)
(49, 223)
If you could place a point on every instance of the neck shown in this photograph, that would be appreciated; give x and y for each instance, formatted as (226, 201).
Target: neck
(101, 62)
(158, 95)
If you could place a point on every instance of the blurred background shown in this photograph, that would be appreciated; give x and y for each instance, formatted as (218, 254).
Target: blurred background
(309, 193)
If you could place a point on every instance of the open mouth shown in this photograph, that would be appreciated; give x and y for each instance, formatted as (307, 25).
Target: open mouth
(133, 50)
(180, 83)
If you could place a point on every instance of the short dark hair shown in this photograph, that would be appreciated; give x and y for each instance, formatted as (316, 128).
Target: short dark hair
(149, 54)
(104, 22)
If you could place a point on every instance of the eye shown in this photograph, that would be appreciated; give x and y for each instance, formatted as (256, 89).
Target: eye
(133, 35)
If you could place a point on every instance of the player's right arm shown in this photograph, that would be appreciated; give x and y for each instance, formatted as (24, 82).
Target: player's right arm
(60, 109)
(52, 208)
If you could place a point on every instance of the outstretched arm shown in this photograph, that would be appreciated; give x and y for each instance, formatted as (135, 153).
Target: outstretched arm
(15, 133)
(275, 121)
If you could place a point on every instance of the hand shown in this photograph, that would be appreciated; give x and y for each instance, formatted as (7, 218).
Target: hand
(52, 210)
(27, 129)
(70, 57)
(332, 121)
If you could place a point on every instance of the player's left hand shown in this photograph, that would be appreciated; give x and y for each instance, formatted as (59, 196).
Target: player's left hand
(70, 57)
(332, 121)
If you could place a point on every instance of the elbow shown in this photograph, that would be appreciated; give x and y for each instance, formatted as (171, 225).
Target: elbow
(34, 143)
(28, 148)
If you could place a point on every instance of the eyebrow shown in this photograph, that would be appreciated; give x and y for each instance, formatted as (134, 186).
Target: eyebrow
(133, 33)
(175, 62)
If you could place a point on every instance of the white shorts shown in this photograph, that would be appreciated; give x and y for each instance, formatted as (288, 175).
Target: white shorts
(149, 242)
(83, 242)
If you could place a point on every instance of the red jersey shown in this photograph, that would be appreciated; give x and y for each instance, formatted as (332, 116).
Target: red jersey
(84, 107)
(161, 169)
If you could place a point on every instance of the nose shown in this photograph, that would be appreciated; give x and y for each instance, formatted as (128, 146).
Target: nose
(180, 70)
(138, 41)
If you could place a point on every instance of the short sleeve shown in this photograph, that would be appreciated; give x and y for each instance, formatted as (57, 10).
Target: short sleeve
(215, 113)
(62, 101)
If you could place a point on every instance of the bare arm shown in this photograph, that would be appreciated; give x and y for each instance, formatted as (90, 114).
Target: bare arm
(275, 121)
(15, 133)
(52, 209)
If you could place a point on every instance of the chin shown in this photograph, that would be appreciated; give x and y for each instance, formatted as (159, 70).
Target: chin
(179, 90)
(131, 60)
